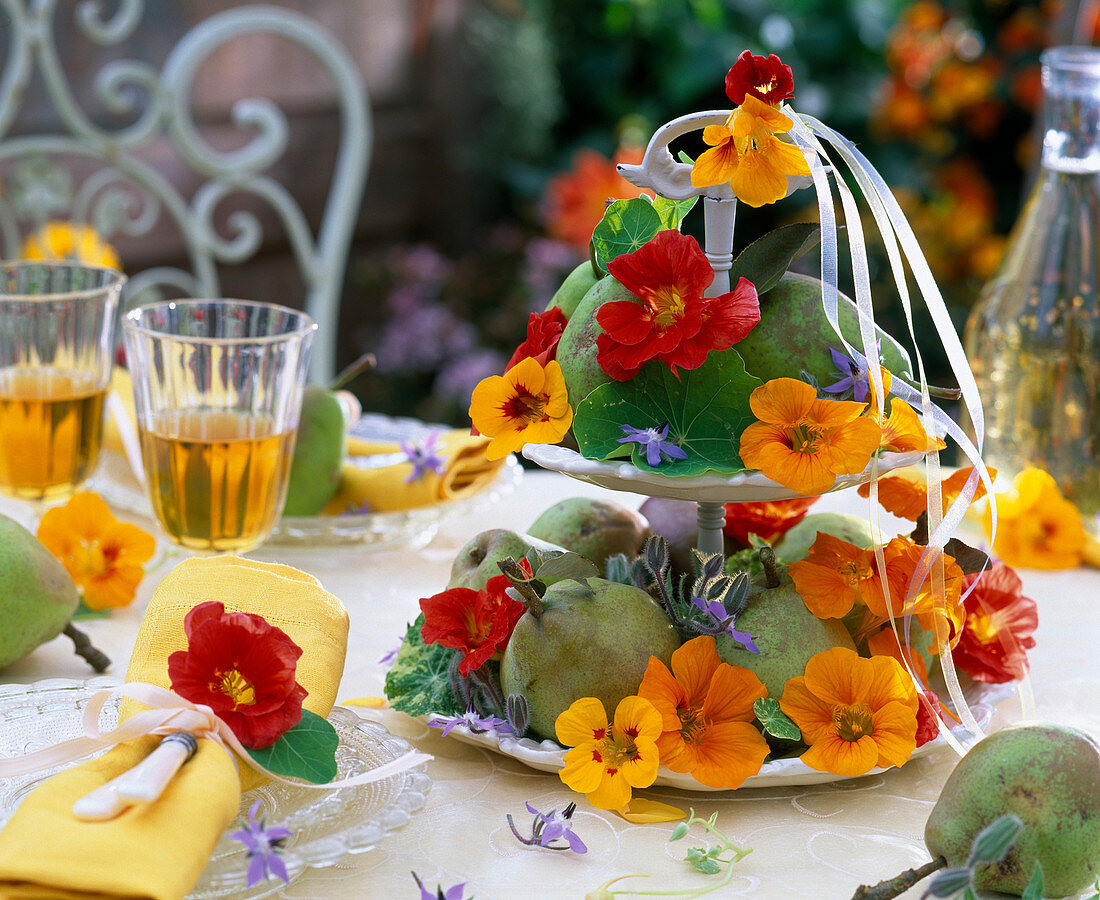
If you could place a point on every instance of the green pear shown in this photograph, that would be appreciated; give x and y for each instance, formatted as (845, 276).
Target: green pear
(784, 630)
(579, 641)
(478, 559)
(37, 595)
(796, 543)
(594, 529)
(577, 283)
(319, 451)
(1049, 776)
(794, 335)
(577, 348)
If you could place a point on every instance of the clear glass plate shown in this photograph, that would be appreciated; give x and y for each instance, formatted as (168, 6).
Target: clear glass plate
(328, 825)
(114, 481)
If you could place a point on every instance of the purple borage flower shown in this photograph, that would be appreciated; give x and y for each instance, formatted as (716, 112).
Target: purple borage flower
(452, 893)
(653, 439)
(263, 846)
(423, 457)
(550, 827)
(474, 722)
(718, 616)
(854, 371)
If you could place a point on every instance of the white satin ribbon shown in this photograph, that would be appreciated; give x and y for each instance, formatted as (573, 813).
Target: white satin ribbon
(808, 133)
(170, 712)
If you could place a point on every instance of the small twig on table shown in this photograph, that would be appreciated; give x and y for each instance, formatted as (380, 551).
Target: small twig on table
(84, 648)
(899, 884)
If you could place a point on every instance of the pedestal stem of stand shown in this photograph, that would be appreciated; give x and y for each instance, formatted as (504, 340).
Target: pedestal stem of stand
(711, 516)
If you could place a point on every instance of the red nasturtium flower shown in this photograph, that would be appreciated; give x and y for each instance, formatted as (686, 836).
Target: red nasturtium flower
(998, 628)
(769, 519)
(673, 321)
(478, 623)
(543, 334)
(766, 78)
(243, 668)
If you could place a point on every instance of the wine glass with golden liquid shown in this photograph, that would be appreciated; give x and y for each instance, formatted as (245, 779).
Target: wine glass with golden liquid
(218, 391)
(57, 328)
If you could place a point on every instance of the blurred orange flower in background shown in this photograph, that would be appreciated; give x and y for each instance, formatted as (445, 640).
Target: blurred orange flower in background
(70, 241)
(1037, 527)
(105, 557)
(575, 200)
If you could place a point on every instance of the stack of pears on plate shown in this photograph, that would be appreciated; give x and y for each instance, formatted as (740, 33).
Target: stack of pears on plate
(582, 603)
(642, 350)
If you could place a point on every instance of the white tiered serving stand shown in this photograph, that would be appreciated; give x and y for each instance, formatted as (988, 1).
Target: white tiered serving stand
(659, 172)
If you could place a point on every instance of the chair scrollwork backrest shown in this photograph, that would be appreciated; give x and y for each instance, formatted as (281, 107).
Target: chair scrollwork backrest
(125, 194)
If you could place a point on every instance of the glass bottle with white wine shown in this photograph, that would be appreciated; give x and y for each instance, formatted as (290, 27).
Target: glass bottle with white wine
(1033, 338)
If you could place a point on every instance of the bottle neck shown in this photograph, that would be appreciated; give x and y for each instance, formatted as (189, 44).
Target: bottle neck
(1071, 95)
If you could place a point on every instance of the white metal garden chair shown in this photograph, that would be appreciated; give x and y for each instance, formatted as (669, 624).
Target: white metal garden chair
(125, 195)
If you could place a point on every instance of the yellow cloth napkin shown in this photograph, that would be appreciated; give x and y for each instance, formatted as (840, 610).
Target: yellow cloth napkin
(386, 488)
(159, 850)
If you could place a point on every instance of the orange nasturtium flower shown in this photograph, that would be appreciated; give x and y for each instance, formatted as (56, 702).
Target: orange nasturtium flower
(802, 442)
(608, 760)
(576, 199)
(528, 404)
(103, 556)
(835, 576)
(904, 492)
(746, 153)
(855, 713)
(706, 709)
(940, 612)
(71, 241)
(1037, 527)
(902, 430)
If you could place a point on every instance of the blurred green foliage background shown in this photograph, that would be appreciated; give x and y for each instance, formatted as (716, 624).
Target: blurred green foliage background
(941, 97)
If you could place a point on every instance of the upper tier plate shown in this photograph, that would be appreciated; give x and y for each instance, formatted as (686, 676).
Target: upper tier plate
(740, 488)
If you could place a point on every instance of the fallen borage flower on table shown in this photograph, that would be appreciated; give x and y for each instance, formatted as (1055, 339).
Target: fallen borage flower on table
(475, 723)
(104, 556)
(454, 892)
(550, 827)
(263, 846)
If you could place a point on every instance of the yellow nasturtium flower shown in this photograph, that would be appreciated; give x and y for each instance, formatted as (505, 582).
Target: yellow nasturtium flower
(69, 241)
(747, 153)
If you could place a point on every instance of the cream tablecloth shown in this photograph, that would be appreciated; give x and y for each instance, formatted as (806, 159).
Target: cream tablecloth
(819, 841)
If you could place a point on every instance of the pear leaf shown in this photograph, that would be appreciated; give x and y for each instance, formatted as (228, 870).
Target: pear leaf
(706, 410)
(775, 721)
(673, 212)
(765, 260)
(307, 751)
(626, 225)
(567, 565)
